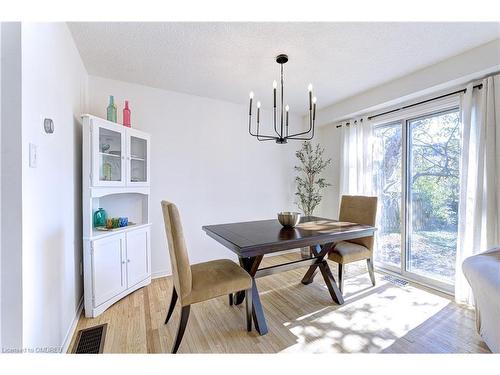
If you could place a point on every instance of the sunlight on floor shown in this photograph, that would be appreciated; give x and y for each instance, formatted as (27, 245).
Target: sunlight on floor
(371, 319)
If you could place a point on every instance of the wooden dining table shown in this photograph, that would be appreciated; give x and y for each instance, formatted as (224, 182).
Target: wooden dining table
(251, 240)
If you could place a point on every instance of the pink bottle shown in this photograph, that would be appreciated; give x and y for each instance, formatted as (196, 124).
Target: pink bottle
(126, 115)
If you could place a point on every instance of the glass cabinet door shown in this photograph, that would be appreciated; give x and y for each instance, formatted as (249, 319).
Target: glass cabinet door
(108, 155)
(138, 158)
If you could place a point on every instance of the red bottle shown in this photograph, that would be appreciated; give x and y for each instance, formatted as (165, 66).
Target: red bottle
(126, 115)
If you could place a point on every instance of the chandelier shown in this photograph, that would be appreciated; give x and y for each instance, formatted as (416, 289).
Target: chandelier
(281, 132)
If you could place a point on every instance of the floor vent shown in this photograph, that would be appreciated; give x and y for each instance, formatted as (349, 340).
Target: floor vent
(90, 340)
(395, 280)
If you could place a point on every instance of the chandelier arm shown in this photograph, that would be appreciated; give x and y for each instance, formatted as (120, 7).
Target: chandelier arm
(267, 139)
(257, 135)
(301, 138)
(311, 127)
(263, 135)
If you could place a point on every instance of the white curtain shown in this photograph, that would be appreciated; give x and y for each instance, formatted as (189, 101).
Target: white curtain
(479, 204)
(356, 157)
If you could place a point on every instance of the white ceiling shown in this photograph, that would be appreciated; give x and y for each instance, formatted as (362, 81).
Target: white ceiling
(227, 60)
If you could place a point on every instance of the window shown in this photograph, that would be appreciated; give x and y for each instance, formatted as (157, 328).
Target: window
(416, 177)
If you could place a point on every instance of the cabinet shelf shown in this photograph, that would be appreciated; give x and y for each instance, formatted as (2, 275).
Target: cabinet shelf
(111, 155)
(97, 234)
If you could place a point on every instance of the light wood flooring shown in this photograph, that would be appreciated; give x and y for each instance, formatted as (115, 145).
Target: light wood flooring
(301, 318)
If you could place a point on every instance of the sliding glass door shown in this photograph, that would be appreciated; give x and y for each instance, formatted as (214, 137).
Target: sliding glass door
(387, 164)
(416, 166)
(433, 185)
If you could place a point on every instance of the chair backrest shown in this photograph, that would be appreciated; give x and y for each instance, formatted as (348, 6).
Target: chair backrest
(181, 269)
(362, 210)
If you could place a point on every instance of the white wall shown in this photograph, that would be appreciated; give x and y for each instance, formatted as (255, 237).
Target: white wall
(204, 160)
(11, 183)
(54, 85)
(329, 138)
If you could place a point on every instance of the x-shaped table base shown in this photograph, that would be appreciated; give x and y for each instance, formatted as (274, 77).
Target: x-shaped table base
(317, 261)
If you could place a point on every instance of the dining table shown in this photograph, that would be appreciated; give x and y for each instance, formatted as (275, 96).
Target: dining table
(252, 240)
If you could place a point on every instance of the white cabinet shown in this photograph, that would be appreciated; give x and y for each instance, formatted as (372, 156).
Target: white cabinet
(120, 263)
(119, 156)
(108, 266)
(115, 177)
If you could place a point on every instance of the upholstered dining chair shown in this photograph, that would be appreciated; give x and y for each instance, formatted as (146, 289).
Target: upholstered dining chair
(361, 210)
(199, 282)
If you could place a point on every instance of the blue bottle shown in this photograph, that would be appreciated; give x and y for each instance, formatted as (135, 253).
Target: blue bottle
(100, 217)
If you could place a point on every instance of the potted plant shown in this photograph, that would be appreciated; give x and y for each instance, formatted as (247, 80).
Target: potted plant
(309, 182)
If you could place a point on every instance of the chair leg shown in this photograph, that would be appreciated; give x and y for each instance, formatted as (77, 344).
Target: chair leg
(182, 327)
(369, 263)
(341, 277)
(249, 306)
(231, 301)
(173, 300)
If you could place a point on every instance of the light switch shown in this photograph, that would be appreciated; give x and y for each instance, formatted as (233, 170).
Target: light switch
(33, 155)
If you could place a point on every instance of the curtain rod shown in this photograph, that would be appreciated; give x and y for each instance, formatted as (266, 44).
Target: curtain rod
(480, 86)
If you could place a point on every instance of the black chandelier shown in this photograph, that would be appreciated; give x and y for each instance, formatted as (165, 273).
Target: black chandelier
(282, 136)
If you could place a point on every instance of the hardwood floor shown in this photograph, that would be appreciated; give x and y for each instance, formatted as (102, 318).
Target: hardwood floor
(382, 319)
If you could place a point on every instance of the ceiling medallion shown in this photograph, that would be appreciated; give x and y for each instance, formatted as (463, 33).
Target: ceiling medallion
(282, 135)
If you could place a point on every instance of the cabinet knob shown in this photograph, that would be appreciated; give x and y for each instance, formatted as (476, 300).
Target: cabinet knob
(123, 262)
(128, 260)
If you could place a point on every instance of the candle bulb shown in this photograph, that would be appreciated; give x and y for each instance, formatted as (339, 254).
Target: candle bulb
(258, 112)
(314, 108)
(251, 98)
(275, 84)
(310, 88)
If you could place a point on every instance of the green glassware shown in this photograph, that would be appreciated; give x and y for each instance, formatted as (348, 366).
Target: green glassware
(106, 171)
(111, 110)
(100, 217)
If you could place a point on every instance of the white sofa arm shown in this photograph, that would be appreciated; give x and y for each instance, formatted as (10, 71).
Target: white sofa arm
(483, 274)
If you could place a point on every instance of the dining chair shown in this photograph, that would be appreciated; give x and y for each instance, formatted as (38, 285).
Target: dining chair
(361, 210)
(199, 282)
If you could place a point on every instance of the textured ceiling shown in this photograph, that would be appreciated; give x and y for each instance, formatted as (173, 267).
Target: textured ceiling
(227, 60)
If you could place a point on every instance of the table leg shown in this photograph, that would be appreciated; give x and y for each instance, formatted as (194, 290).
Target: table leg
(313, 270)
(257, 311)
(251, 265)
(239, 297)
(330, 283)
(310, 274)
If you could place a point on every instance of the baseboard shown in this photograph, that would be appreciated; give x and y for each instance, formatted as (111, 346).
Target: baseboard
(72, 328)
(158, 274)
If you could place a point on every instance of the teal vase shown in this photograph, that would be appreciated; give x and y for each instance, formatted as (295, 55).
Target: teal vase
(111, 110)
(100, 217)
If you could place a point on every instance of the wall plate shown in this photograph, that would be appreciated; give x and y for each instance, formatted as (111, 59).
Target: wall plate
(48, 125)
